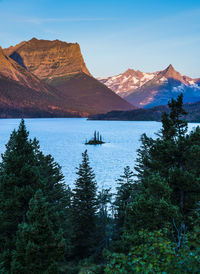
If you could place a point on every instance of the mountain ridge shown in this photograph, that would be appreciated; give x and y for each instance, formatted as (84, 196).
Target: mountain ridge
(156, 89)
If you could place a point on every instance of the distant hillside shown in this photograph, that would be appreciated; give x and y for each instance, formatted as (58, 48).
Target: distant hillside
(152, 114)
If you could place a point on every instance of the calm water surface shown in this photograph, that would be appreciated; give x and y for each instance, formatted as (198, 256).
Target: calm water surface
(64, 139)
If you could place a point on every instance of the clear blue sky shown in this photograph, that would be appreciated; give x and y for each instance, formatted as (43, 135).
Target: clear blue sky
(114, 35)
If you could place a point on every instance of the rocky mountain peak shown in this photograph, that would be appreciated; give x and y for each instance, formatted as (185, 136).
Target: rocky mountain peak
(49, 60)
(124, 83)
(170, 72)
(170, 67)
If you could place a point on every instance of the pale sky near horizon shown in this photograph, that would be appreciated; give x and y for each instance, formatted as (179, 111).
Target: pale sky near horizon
(114, 35)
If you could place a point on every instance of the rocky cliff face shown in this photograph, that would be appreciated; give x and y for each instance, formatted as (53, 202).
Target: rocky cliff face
(12, 70)
(49, 59)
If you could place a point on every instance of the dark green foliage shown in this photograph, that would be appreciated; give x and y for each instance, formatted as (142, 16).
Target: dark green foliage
(57, 194)
(104, 222)
(24, 170)
(168, 189)
(125, 192)
(19, 178)
(151, 208)
(84, 209)
(40, 245)
(155, 253)
(168, 176)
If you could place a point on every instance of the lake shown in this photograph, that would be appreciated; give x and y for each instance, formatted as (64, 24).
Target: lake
(64, 139)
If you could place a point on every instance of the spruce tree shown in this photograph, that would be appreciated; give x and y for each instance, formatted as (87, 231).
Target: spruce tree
(84, 209)
(104, 228)
(19, 177)
(24, 170)
(40, 245)
(95, 136)
(168, 176)
(125, 191)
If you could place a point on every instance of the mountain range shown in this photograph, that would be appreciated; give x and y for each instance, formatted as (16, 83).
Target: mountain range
(146, 90)
(41, 78)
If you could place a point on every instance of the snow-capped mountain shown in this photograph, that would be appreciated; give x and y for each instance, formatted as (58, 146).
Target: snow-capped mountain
(165, 85)
(124, 83)
(152, 89)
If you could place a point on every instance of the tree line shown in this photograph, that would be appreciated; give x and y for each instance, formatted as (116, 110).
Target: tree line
(150, 225)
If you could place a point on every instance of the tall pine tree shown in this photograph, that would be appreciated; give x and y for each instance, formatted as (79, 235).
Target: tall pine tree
(19, 178)
(24, 170)
(84, 209)
(125, 191)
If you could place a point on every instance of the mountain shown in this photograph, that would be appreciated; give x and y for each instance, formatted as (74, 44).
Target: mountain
(12, 70)
(151, 114)
(61, 66)
(22, 94)
(152, 89)
(165, 85)
(124, 83)
(49, 59)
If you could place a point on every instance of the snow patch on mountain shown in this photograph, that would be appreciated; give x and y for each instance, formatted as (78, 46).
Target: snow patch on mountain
(183, 88)
(124, 83)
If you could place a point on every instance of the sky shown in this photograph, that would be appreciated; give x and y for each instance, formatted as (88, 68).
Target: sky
(114, 35)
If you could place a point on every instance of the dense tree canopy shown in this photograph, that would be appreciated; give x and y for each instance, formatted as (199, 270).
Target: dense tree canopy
(23, 170)
(40, 246)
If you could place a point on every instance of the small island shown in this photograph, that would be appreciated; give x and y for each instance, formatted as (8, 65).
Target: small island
(96, 140)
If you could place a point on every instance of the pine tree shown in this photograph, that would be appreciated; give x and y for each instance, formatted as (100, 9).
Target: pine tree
(84, 209)
(40, 245)
(19, 177)
(168, 176)
(24, 170)
(104, 229)
(95, 136)
(173, 124)
(125, 191)
(151, 207)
